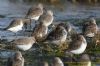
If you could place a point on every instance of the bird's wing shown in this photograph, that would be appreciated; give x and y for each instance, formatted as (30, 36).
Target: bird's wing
(34, 12)
(45, 17)
(91, 28)
(13, 24)
(22, 41)
(75, 45)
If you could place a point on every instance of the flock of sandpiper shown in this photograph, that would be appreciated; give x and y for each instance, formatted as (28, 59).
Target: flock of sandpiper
(57, 36)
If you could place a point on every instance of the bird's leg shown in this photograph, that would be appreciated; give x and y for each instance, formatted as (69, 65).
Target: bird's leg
(71, 58)
(35, 22)
(24, 33)
(15, 35)
(26, 26)
(95, 46)
(30, 24)
(41, 50)
(70, 55)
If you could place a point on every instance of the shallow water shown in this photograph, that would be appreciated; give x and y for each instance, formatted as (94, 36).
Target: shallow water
(62, 11)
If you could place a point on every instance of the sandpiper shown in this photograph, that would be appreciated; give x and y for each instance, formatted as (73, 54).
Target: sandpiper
(84, 60)
(40, 32)
(67, 26)
(57, 36)
(24, 43)
(34, 13)
(43, 63)
(46, 18)
(16, 60)
(90, 28)
(57, 62)
(78, 45)
(15, 26)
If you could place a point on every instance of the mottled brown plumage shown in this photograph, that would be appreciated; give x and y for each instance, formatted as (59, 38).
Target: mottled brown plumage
(16, 60)
(78, 45)
(35, 12)
(84, 60)
(25, 40)
(24, 43)
(76, 42)
(57, 62)
(40, 32)
(15, 25)
(66, 25)
(90, 28)
(57, 36)
(43, 63)
(46, 18)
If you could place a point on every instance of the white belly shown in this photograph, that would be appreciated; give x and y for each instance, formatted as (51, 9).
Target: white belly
(80, 50)
(55, 42)
(69, 29)
(60, 62)
(35, 18)
(90, 35)
(45, 33)
(89, 63)
(64, 38)
(47, 23)
(24, 47)
(16, 28)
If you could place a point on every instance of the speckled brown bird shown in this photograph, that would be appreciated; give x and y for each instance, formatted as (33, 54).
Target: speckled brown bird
(24, 43)
(78, 45)
(84, 60)
(40, 32)
(67, 26)
(43, 63)
(34, 13)
(57, 62)
(15, 25)
(16, 60)
(90, 28)
(47, 18)
(57, 36)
